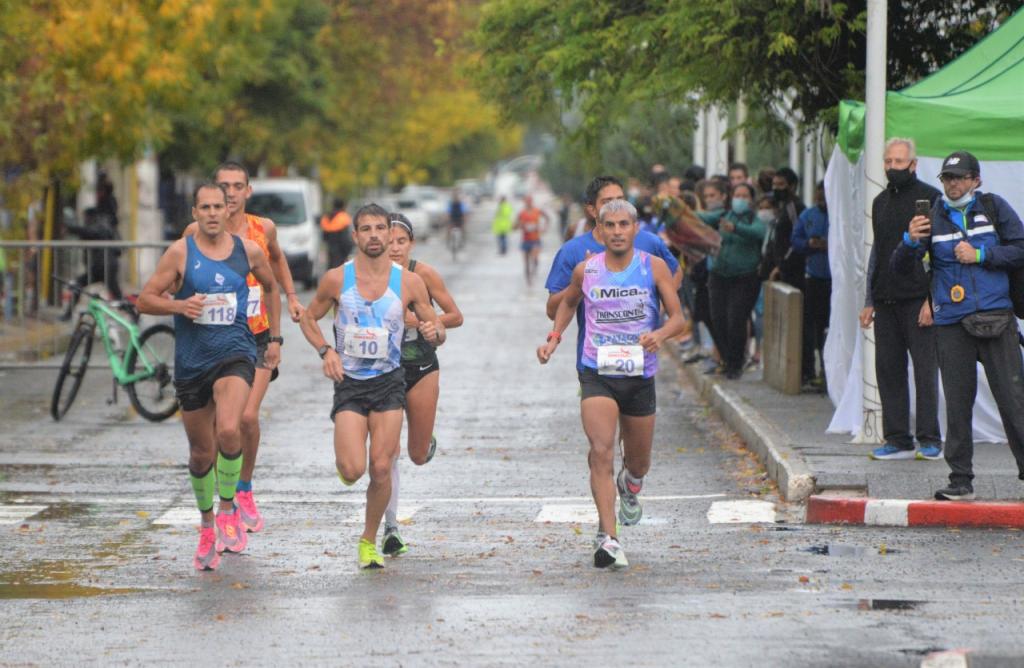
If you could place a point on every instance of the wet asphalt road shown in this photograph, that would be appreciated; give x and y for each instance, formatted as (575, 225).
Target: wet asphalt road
(97, 531)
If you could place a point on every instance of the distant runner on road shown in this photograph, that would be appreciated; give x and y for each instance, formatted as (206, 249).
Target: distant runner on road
(422, 372)
(620, 289)
(529, 223)
(371, 295)
(214, 357)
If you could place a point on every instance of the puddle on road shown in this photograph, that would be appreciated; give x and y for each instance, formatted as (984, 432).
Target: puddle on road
(53, 580)
(836, 550)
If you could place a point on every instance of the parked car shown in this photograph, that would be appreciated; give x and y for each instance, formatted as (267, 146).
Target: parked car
(411, 209)
(432, 200)
(295, 206)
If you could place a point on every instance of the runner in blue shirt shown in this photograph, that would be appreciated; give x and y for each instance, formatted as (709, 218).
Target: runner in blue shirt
(600, 191)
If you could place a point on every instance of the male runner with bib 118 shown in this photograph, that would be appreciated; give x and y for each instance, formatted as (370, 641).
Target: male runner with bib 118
(214, 357)
(620, 289)
(263, 310)
(371, 295)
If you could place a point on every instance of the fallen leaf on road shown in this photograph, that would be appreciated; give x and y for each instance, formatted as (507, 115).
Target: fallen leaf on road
(804, 579)
(846, 585)
(142, 513)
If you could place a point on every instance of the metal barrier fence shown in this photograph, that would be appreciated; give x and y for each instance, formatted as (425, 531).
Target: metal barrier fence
(39, 313)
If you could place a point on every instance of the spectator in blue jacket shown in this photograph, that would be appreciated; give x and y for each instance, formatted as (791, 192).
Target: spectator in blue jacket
(973, 241)
(810, 239)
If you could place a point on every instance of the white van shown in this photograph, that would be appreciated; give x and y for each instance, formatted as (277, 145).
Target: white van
(295, 206)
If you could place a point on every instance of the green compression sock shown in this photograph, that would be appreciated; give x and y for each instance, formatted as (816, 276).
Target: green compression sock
(228, 469)
(203, 486)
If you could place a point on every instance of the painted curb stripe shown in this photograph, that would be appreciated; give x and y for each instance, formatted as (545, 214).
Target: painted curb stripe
(886, 512)
(901, 512)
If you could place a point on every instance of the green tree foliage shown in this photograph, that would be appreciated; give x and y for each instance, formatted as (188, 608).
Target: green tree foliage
(540, 59)
(370, 92)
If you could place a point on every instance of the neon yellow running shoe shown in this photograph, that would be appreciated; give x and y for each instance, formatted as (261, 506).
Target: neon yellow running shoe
(368, 555)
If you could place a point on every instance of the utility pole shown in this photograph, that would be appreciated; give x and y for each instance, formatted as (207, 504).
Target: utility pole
(874, 143)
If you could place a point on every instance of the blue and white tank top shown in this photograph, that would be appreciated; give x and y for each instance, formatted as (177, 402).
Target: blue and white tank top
(618, 307)
(222, 331)
(368, 334)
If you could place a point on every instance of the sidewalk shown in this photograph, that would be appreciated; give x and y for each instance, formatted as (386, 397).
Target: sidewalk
(32, 339)
(836, 477)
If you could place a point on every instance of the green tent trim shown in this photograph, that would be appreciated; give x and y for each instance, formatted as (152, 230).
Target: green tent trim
(975, 102)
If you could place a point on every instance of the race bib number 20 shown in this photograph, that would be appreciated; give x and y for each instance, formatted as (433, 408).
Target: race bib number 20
(218, 309)
(620, 360)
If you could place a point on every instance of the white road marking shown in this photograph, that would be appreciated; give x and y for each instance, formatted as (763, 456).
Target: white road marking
(741, 511)
(18, 514)
(405, 514)
(566, 513)
(179, 516)
(119, 500)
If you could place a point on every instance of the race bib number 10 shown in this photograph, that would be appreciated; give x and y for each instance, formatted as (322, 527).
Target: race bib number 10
(366, 342)
(218, 309)
(620, 360)
(252, 309)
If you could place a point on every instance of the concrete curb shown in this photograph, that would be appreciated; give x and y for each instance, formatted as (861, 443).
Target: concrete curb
(785, 465)
(905, 513)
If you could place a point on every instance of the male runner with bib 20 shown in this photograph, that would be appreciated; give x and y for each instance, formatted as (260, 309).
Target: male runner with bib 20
(263, 311)
(620, 289)
(422, 372)
(214, 357)
(371, 295)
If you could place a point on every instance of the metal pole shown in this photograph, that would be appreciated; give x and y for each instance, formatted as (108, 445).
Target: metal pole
(874, 142)
(699, 142)
(741, 132)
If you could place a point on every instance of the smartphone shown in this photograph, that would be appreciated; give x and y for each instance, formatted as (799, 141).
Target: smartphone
(922, 207)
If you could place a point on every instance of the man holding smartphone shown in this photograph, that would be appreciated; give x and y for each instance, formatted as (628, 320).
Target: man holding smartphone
(897, 303)
(974, 240)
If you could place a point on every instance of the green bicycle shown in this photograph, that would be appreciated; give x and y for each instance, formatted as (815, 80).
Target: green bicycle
(144, 368)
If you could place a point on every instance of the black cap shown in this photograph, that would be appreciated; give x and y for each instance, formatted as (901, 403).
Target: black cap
(960, 163)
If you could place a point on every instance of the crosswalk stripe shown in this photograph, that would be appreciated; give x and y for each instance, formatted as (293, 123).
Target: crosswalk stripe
(741, 511)
(179, 516)
(18, 513)
(405, 514)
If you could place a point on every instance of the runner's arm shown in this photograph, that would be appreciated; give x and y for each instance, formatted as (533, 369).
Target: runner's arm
(570, 300)
(281, 271)
(430, 326)
(325, 297)
(165, 280)
(669, 295)
(438, 291)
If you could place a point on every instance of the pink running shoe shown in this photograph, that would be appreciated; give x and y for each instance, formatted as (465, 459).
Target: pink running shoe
(251, 520)
(206, 558)
(230, 534)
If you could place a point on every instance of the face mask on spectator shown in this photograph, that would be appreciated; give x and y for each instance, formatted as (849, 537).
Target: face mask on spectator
(780, 195)
(766, 215)
(715, 206)
(740, 205)
(899, 177)
(961, 202)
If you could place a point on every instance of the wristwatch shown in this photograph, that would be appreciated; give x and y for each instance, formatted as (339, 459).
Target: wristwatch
(276, 339)
(322, 350)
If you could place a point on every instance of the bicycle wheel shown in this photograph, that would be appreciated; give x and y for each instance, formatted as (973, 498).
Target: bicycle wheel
(154, 397)
(72, 370)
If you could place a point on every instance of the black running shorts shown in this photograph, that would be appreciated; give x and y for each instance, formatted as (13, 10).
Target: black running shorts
(382, 393)
(416, 370)
(195, 393)
(634, 396)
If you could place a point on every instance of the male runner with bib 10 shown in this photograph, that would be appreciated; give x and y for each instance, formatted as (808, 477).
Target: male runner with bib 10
(214, 357)
(371, 295)
(620, 289)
